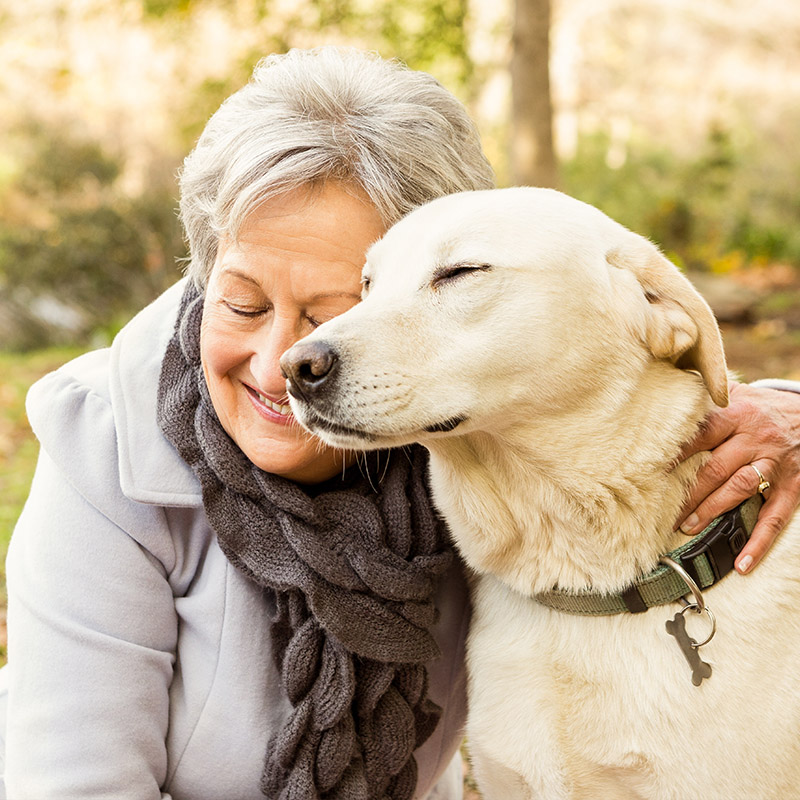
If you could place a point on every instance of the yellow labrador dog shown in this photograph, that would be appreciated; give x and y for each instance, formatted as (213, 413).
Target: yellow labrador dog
(553, 362)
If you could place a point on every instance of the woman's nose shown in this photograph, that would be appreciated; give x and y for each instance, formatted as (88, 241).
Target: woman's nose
(265, 360)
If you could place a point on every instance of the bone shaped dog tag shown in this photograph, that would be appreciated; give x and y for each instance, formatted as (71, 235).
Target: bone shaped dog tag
(677, 627)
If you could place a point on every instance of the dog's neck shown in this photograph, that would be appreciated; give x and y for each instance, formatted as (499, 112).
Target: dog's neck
(575, 499)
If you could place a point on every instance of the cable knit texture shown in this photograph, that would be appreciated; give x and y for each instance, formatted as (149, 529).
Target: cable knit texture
(352, 567)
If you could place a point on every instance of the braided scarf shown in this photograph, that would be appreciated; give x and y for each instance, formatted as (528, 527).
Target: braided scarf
(351, 572)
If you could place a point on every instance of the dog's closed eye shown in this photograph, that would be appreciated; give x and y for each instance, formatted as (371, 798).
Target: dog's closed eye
(454, 272)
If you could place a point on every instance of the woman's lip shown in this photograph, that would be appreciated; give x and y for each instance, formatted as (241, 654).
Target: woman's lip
(266, 406)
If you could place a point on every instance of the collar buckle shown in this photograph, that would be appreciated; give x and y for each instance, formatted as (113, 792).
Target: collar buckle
(720, 546)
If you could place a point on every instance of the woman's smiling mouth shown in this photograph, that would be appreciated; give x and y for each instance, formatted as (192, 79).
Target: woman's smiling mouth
(269, 408)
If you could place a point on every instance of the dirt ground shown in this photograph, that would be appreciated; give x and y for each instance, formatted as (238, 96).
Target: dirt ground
(767, 349)
(764, 342)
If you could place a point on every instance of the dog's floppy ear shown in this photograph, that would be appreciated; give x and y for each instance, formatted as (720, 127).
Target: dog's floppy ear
(680, 326)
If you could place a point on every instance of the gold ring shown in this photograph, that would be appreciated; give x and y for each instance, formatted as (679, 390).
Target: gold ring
(763, 483)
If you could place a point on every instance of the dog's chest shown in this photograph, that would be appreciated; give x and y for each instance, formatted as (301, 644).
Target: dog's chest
(604, 704)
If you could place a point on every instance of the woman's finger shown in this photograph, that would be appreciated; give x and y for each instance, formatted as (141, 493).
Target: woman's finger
(772, 519)
(759, 432)
(714, 430)
(741, 485)
(724, 481)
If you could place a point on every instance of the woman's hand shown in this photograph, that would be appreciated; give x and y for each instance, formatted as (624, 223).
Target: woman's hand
(759, 427)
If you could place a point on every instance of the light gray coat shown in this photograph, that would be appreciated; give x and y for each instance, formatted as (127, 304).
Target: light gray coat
(139, 658)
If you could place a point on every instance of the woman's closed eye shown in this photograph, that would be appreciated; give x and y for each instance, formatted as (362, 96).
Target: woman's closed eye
(245, 311)
(253, 312)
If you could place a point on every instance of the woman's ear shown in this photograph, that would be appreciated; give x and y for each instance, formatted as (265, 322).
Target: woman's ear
(680, 325)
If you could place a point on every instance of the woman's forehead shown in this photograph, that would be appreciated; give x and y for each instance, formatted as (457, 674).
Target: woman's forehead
(333, 221)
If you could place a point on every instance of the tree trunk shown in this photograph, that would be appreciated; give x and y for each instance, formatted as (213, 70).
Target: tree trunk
(533, 159)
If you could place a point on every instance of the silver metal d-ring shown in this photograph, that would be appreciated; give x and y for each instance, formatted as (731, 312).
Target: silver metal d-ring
(687, 579)
(711, 618)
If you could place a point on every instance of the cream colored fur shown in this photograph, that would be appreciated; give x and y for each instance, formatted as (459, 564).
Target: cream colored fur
(578, 359)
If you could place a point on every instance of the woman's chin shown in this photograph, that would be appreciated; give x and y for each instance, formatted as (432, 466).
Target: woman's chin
(308, 461)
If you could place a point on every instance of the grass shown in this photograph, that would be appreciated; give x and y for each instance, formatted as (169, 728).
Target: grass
(18, 447)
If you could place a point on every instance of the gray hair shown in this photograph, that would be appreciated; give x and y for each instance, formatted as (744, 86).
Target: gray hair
(328, 113)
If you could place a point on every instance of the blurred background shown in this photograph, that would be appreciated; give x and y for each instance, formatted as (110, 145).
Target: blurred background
(680, 119)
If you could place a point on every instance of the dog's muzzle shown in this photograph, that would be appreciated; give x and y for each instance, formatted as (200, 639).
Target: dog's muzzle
(310, 369)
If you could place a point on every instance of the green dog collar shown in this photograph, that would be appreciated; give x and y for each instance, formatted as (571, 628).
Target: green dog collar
(707, 558)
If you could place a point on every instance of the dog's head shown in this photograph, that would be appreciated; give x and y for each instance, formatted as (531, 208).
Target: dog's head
(483, 308)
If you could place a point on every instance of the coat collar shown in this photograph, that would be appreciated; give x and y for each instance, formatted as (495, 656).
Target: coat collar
(151, 471)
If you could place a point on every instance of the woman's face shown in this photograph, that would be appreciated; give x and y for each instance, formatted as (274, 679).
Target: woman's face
(297, 264)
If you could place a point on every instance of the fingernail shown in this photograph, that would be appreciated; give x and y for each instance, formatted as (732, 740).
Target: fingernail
(690, 523)
(744, 564)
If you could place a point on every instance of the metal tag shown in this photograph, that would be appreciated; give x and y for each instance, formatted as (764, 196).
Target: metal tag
(677, 627)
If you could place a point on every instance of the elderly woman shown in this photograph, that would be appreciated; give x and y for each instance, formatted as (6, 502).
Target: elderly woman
(204, 601)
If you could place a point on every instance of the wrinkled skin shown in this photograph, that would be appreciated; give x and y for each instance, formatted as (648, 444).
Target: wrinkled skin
(760, 426)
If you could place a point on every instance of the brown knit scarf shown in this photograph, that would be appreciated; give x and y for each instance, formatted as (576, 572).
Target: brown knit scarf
(351, 571)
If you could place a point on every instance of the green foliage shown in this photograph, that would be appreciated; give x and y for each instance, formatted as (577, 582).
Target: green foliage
(715, 211)
(92, 256)
(69, 232)
(62, 164)
(429, 35)
(158, 9)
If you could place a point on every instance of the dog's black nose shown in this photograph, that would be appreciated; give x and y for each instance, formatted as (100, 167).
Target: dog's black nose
(308, 368)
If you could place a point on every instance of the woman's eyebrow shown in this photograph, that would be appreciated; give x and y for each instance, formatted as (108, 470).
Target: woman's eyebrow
(236, 273)
(324, 295)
